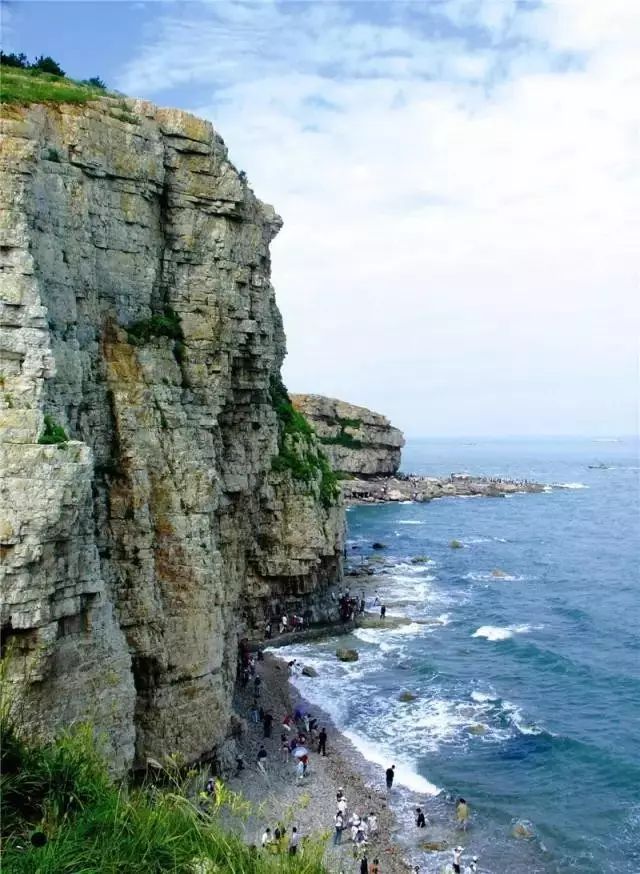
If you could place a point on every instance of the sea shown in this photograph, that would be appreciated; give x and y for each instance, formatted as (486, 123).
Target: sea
(522, 649)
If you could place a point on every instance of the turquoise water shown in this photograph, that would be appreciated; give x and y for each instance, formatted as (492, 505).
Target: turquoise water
(527, 683)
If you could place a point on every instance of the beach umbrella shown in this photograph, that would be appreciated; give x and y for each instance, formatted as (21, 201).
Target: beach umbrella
(299, 752)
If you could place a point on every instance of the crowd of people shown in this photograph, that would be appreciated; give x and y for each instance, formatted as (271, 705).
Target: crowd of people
(300, 735)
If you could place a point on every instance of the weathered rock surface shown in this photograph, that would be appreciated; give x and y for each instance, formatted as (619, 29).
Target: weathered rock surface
(134, 556)
(355, 439)
(347, 655)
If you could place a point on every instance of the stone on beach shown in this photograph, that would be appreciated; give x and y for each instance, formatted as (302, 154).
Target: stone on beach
(308, 671)
(347, 655)
(407, 696)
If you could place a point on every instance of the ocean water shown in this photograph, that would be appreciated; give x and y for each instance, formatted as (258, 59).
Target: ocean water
(523, 652)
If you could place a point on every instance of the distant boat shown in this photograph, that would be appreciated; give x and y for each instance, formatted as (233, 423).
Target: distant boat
(599, 466)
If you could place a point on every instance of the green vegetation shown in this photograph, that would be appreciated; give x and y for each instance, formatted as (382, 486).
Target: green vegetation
(165, 325)
(344, 438)
(52, 433)
(62, 814)
(32, 85)
(297, 450)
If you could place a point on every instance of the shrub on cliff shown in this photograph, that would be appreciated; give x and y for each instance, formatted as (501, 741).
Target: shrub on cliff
(23, 84)
(298, 452)
(52, 433)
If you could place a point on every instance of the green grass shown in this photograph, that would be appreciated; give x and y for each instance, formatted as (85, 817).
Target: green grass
(59, 795)
(32, 86)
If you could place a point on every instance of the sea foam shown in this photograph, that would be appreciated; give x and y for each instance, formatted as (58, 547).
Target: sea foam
(406, 774)
(495, 632)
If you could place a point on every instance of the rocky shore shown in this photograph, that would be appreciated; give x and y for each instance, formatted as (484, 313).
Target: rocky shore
(403, 487)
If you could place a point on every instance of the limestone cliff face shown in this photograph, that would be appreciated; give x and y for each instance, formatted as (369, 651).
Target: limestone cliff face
(138, 314)
(355, 439)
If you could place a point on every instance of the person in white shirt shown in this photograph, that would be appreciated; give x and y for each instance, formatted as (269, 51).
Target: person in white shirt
(293, 843)
(457, 860)
(266, 837)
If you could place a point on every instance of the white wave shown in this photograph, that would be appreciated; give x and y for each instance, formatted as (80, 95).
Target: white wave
(491, 576)
(570, 486)
(405, 771)
(409, 522)
(494, 632)
(482, 697)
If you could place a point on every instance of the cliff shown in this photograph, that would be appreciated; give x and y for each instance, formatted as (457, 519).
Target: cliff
(138, 315)
(356, 440)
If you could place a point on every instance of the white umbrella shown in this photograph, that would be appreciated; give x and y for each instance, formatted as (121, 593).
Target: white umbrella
(299, 752)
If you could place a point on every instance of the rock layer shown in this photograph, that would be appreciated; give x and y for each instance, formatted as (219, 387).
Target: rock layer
(138, 314)
(355, 439)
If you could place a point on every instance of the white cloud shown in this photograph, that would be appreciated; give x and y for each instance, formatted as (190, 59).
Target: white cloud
(460, 202)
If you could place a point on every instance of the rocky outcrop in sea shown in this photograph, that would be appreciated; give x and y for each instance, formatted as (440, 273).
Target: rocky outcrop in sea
(157, 496)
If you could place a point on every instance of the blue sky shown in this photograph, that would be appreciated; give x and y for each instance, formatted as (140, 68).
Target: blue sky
(459, 182)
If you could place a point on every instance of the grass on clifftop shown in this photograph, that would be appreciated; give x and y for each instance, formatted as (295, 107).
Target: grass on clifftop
(24, 86)
(62, 814)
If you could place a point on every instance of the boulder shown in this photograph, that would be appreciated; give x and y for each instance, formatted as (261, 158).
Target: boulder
(455, 544)
(497, 572)
(378, 545)
(347, 655)
(434, 846)
(308, 671)
(522, 830)
(477, 728)
(406, 696)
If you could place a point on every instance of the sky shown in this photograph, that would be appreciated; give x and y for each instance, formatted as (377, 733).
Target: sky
(459, 182)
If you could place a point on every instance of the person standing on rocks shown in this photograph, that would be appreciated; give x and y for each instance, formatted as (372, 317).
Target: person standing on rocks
(262, 759)
(383, 612)
(293, 842)
(390, 774)
(372, 823)
(267, 722)
(257, 682)
(339, 828)
(322, 741)
(375, 867)
(421, 821)
(364, 865)
(457, 860)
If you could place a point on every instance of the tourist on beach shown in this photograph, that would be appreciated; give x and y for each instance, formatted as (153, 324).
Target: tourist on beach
(287, 721)
(284, 624)
(390, 774)
(284, 748)
(322, 741)
(293, 843)
(383, 611)
(254, 713)
(364, 865)
(462, 813)
(377, 602)
(472, 868)
(267, 629)
(372, 823)
(267, 721)
(262, 759)
(300, 769)
(421, 821)
(375, 867)
(342, 806)
(457, 860)
(257, 682)
(267, 837)
(339, 793)
(339, 826)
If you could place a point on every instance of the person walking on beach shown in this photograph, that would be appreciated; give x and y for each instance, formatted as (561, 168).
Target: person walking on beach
(383, 612)
(472, 868)
(266, 837)
(462, 814)
(293, 842)
(457, 860)
(375, 867)
(322, 741)
(390, 774)
(267, 722)
(338, 823)
(257, 682)
(364, 865)
(262, 759)
(421, 821)
(372, 823)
